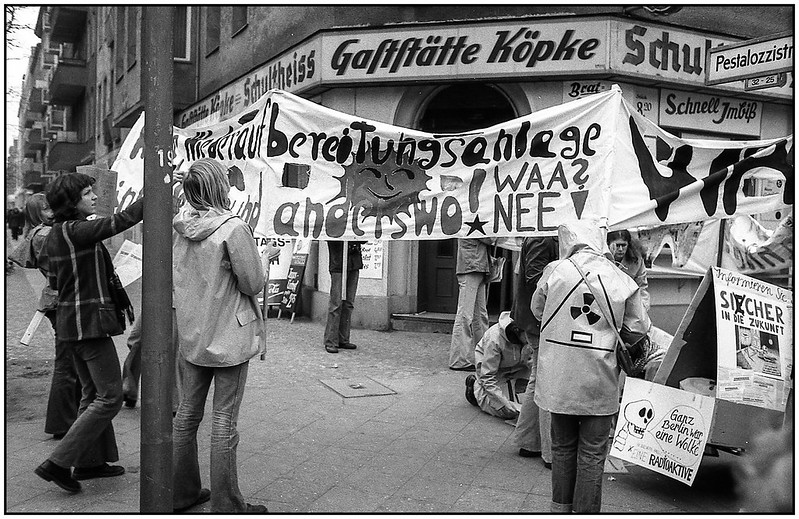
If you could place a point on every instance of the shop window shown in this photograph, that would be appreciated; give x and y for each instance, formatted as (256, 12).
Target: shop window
(132, 35)
(212, 15)
(238, 19)
(181, 40)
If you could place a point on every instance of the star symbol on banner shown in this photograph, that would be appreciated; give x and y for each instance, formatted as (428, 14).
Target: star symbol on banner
(476, 225)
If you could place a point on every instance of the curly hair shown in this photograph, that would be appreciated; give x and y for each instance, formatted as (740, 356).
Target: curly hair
(63, 195)
(206, 185)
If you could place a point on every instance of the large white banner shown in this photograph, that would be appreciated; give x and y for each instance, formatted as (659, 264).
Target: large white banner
(301, 170)
(754, 327)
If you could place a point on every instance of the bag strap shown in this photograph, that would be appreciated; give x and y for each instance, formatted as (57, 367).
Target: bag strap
(599, 302)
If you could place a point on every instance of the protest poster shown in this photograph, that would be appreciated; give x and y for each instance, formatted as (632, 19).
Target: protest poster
(104, 187)
(331, 175)
(278, 270)
(662, 429)
(754, 338)
(128, 262)
(296, 270)
(372, 256)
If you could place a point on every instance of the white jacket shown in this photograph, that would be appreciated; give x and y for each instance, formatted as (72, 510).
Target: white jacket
(217, 274)
(577, 369)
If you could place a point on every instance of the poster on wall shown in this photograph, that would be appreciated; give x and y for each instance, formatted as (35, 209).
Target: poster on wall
(754, 339)
(278, 270)
(662, 428)
(299, 257)
(372, 256)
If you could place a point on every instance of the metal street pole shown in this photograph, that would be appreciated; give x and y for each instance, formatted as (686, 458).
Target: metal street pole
(158, 359)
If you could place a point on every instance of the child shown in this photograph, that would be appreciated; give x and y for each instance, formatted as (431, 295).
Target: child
(217, 276)
(91, 309)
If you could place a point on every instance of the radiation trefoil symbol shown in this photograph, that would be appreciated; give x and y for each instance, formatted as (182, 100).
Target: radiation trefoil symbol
(585, 309)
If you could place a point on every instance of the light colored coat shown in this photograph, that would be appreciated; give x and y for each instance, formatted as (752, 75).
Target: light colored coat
(472, 256)
(577, 369)
(217, 275)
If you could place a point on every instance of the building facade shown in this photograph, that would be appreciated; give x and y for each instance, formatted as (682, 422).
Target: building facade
(432, 68)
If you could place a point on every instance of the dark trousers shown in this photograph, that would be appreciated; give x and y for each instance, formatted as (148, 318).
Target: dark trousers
(91, 441)
(339, 310)
(65, 388)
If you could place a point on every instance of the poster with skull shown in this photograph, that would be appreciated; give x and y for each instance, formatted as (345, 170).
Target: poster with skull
(662, 428)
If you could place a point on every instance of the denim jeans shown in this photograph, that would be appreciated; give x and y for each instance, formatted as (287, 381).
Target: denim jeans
(339, 310)
(471, 319)
(229, 385)
(65, 389)
(533, 425)
(579, 449)
(90, 441)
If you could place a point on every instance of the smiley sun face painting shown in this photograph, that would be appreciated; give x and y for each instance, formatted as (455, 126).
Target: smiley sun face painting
(383, 189)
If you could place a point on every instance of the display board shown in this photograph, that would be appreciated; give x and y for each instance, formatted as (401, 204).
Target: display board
(299, 257)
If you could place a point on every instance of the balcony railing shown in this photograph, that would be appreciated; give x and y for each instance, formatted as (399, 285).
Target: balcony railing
(32, 117)
(55, 121)
(35, 141)
(65, 155)
(68, 23)
(68, 82)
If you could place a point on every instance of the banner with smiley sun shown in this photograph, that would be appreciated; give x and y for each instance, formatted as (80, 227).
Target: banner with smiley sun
(301, 170)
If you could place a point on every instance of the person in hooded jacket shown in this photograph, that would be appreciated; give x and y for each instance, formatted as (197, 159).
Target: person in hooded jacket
(502, 356)
(578, 376)
(217, 275)
(92, 307)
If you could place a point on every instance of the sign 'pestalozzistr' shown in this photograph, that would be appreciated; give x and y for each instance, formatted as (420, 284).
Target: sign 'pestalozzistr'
(301, 170)
(750, 59)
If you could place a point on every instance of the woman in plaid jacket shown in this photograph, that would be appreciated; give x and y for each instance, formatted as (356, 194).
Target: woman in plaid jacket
(91, 309)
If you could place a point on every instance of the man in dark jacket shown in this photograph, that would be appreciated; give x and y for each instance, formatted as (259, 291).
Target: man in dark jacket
(532, 428)
(339, 313)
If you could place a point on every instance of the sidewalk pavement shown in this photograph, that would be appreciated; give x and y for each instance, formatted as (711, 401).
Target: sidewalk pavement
(304, 448)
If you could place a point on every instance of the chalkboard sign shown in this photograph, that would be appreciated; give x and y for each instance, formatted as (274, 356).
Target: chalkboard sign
(294, 279)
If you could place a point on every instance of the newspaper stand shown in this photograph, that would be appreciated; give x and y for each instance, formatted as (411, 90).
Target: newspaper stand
(694, 353)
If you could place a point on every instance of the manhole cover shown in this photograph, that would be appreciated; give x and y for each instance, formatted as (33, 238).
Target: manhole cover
(351, 388)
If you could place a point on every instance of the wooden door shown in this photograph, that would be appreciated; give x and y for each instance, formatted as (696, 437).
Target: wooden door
(438, 284)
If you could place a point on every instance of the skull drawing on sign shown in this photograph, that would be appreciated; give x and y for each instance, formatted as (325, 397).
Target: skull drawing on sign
(639, 415)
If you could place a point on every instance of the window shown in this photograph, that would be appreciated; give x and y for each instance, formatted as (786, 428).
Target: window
(181, 40)
(132, 36)
(212, 29)
(119, 45)
(238, 19)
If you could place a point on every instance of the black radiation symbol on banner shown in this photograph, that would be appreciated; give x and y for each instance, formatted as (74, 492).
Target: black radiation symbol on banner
(577, 311)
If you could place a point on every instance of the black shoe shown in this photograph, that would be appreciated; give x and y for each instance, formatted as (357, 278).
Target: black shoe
(129, 401)
(470, 390)
(470, 367)
(100, 471)
(331, 349)
(204, 497)
(346, 346)
(524, 453)
(547, 465)
(59, 436)
(61, 476)
(255, 509)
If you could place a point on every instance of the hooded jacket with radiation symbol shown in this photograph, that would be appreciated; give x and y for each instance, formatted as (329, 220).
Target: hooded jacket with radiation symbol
(217, 276)
(577, 369)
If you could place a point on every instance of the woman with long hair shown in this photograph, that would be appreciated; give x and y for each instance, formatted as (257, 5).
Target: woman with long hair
(217, 276)
(629, 258)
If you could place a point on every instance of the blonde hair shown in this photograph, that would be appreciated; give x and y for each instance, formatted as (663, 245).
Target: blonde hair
(206, 185)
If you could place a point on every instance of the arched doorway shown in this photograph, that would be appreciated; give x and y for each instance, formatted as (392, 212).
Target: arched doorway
(458, 108)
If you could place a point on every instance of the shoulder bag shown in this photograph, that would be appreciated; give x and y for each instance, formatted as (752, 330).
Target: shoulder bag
(496, 267)
(630, 358)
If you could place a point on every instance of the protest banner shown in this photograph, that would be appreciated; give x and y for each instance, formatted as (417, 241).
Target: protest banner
(755, 340)
(702, 350)
(299, 257)
(334, 176)
(662, 429)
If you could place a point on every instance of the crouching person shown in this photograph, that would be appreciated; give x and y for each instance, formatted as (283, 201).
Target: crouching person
(501, 356)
